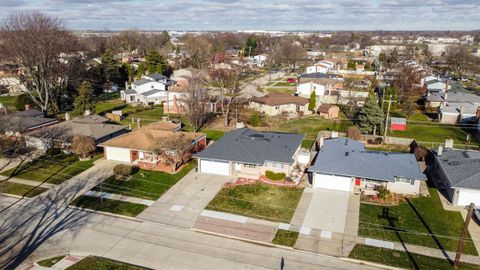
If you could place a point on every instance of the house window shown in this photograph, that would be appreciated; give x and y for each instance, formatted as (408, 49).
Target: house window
(275, 165)
(404, 180)
(251, 166)
(277, 107)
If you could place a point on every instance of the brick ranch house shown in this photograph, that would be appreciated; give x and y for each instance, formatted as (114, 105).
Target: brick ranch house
(141, 148)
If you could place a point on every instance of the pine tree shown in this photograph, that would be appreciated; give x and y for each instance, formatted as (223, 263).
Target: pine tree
(159, 69)
(152, 60)
(84, 100)
(371, 116)
(109, 68)
(313, 101)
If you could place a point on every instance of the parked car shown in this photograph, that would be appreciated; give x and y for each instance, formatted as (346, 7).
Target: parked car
(291, 80)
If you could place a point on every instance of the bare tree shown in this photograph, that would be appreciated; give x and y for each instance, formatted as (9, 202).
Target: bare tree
(174, 149)
(199, 49)
(195, 100)
(459, 59)
(83, 145)
(40, 45)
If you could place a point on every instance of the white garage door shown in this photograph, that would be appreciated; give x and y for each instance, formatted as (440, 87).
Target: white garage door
(332, 182)
(118, 154)
(465, 197)
(215, 167)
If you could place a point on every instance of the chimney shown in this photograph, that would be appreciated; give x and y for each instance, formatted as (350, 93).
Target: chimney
(27, 107)
(440, 150)
(139, 122)
(334, 134)
(87, 113)
(126, 85)
(321, 141)
(67, 116)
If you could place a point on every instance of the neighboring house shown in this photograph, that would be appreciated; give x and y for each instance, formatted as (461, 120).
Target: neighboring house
(435, 100)
(314, 54)
(150, 89)
(457, 173)
(61, 134)
(453, 113)
(343, 164)
(249, 153)
(141, 147)
(22, 122)
(324, 88)
(176, 102)
(320, 67)
(277, 103)
(328, 111)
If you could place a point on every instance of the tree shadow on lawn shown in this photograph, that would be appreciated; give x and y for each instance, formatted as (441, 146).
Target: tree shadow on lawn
(26, 225)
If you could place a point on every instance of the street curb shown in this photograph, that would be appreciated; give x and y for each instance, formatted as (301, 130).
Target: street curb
(104, 213)
(17, 196)
(384, 266)
(235, 238)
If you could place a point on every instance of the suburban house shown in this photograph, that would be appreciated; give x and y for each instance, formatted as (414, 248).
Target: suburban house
(143, 148)
(457, 174)
(249, 153)
(60, 135)
(434, 84)
(436, 100)
(320, 67)
(343, 164)
(278, 103)
(454, 107)
(328, 111)
(176, 104)
(325, 89)
(150, 89)
(25, 121)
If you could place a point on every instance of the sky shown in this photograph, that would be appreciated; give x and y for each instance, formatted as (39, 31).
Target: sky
(316, 15)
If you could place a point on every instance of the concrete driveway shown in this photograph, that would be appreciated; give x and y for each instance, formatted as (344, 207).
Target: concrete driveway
(327, 210)
(183, 203)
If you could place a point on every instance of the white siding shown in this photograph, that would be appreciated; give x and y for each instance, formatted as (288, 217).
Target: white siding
(118, 154)
(467, 196)
(404, 188)
(333, 182)
(215, 167)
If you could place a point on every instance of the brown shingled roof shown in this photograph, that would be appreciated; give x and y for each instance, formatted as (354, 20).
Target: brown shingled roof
(275, 99)
(325, 107)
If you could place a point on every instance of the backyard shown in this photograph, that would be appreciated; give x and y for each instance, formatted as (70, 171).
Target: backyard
(53, 169)
(419, 221)
(402, 259)
(312, 125)
(260, 201)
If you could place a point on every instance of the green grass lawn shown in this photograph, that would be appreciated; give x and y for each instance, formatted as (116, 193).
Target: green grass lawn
(260, 201)
(145, 184)
(50, 261)
(98, 263)
(409, 222)
(281, 90)
(50, 169)
(390, 148)
(284, 84)
(108, 205)
(148, 116)
(105, 106)
(20, 189)
(285, 238)
(311, 125)
(402, 259)
(213, 134)
(8, 101)
(307, 143)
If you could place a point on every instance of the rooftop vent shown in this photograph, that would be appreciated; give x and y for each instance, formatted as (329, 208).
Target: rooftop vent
(346, 154)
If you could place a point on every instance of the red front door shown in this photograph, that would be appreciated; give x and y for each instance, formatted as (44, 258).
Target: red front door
(357, 181)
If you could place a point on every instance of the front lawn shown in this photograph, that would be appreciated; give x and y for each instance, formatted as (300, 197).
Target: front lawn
(108, 205)
(50, 169)
(99, 263)
(285, 238)
(414, 222)
(402, 259)
(259, 200)
(20, 189)
(145, 184)
(8, 101)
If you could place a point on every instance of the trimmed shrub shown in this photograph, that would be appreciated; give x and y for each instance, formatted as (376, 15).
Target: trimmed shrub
(53, 151)
(254, 119)
(122, 170)
(383, 192)
(275, 176)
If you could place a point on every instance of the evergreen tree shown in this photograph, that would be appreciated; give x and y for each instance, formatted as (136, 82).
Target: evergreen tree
(371, 116)
(152, 60)
(84, 100)
(159, 69)
(391, 91)
(109, 67)
(130, 72)
(313, 101)
(250, 46)
(140, 71)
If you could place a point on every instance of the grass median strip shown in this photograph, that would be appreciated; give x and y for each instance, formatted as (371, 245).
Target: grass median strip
(20, 189)
(99, 263)
(402, 259)
(259, 200)
(50, 261)
(285, 238)
(108, 205)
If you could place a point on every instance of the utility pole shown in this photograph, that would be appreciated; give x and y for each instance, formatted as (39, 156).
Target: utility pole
(471, 207)
(386, 118)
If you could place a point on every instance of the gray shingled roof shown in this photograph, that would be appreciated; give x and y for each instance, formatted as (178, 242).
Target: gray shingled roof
(130, 92)
(141, 81)
(151, 92)
(461, 167)
(255, 147)
(342, 156)
(156, 76)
